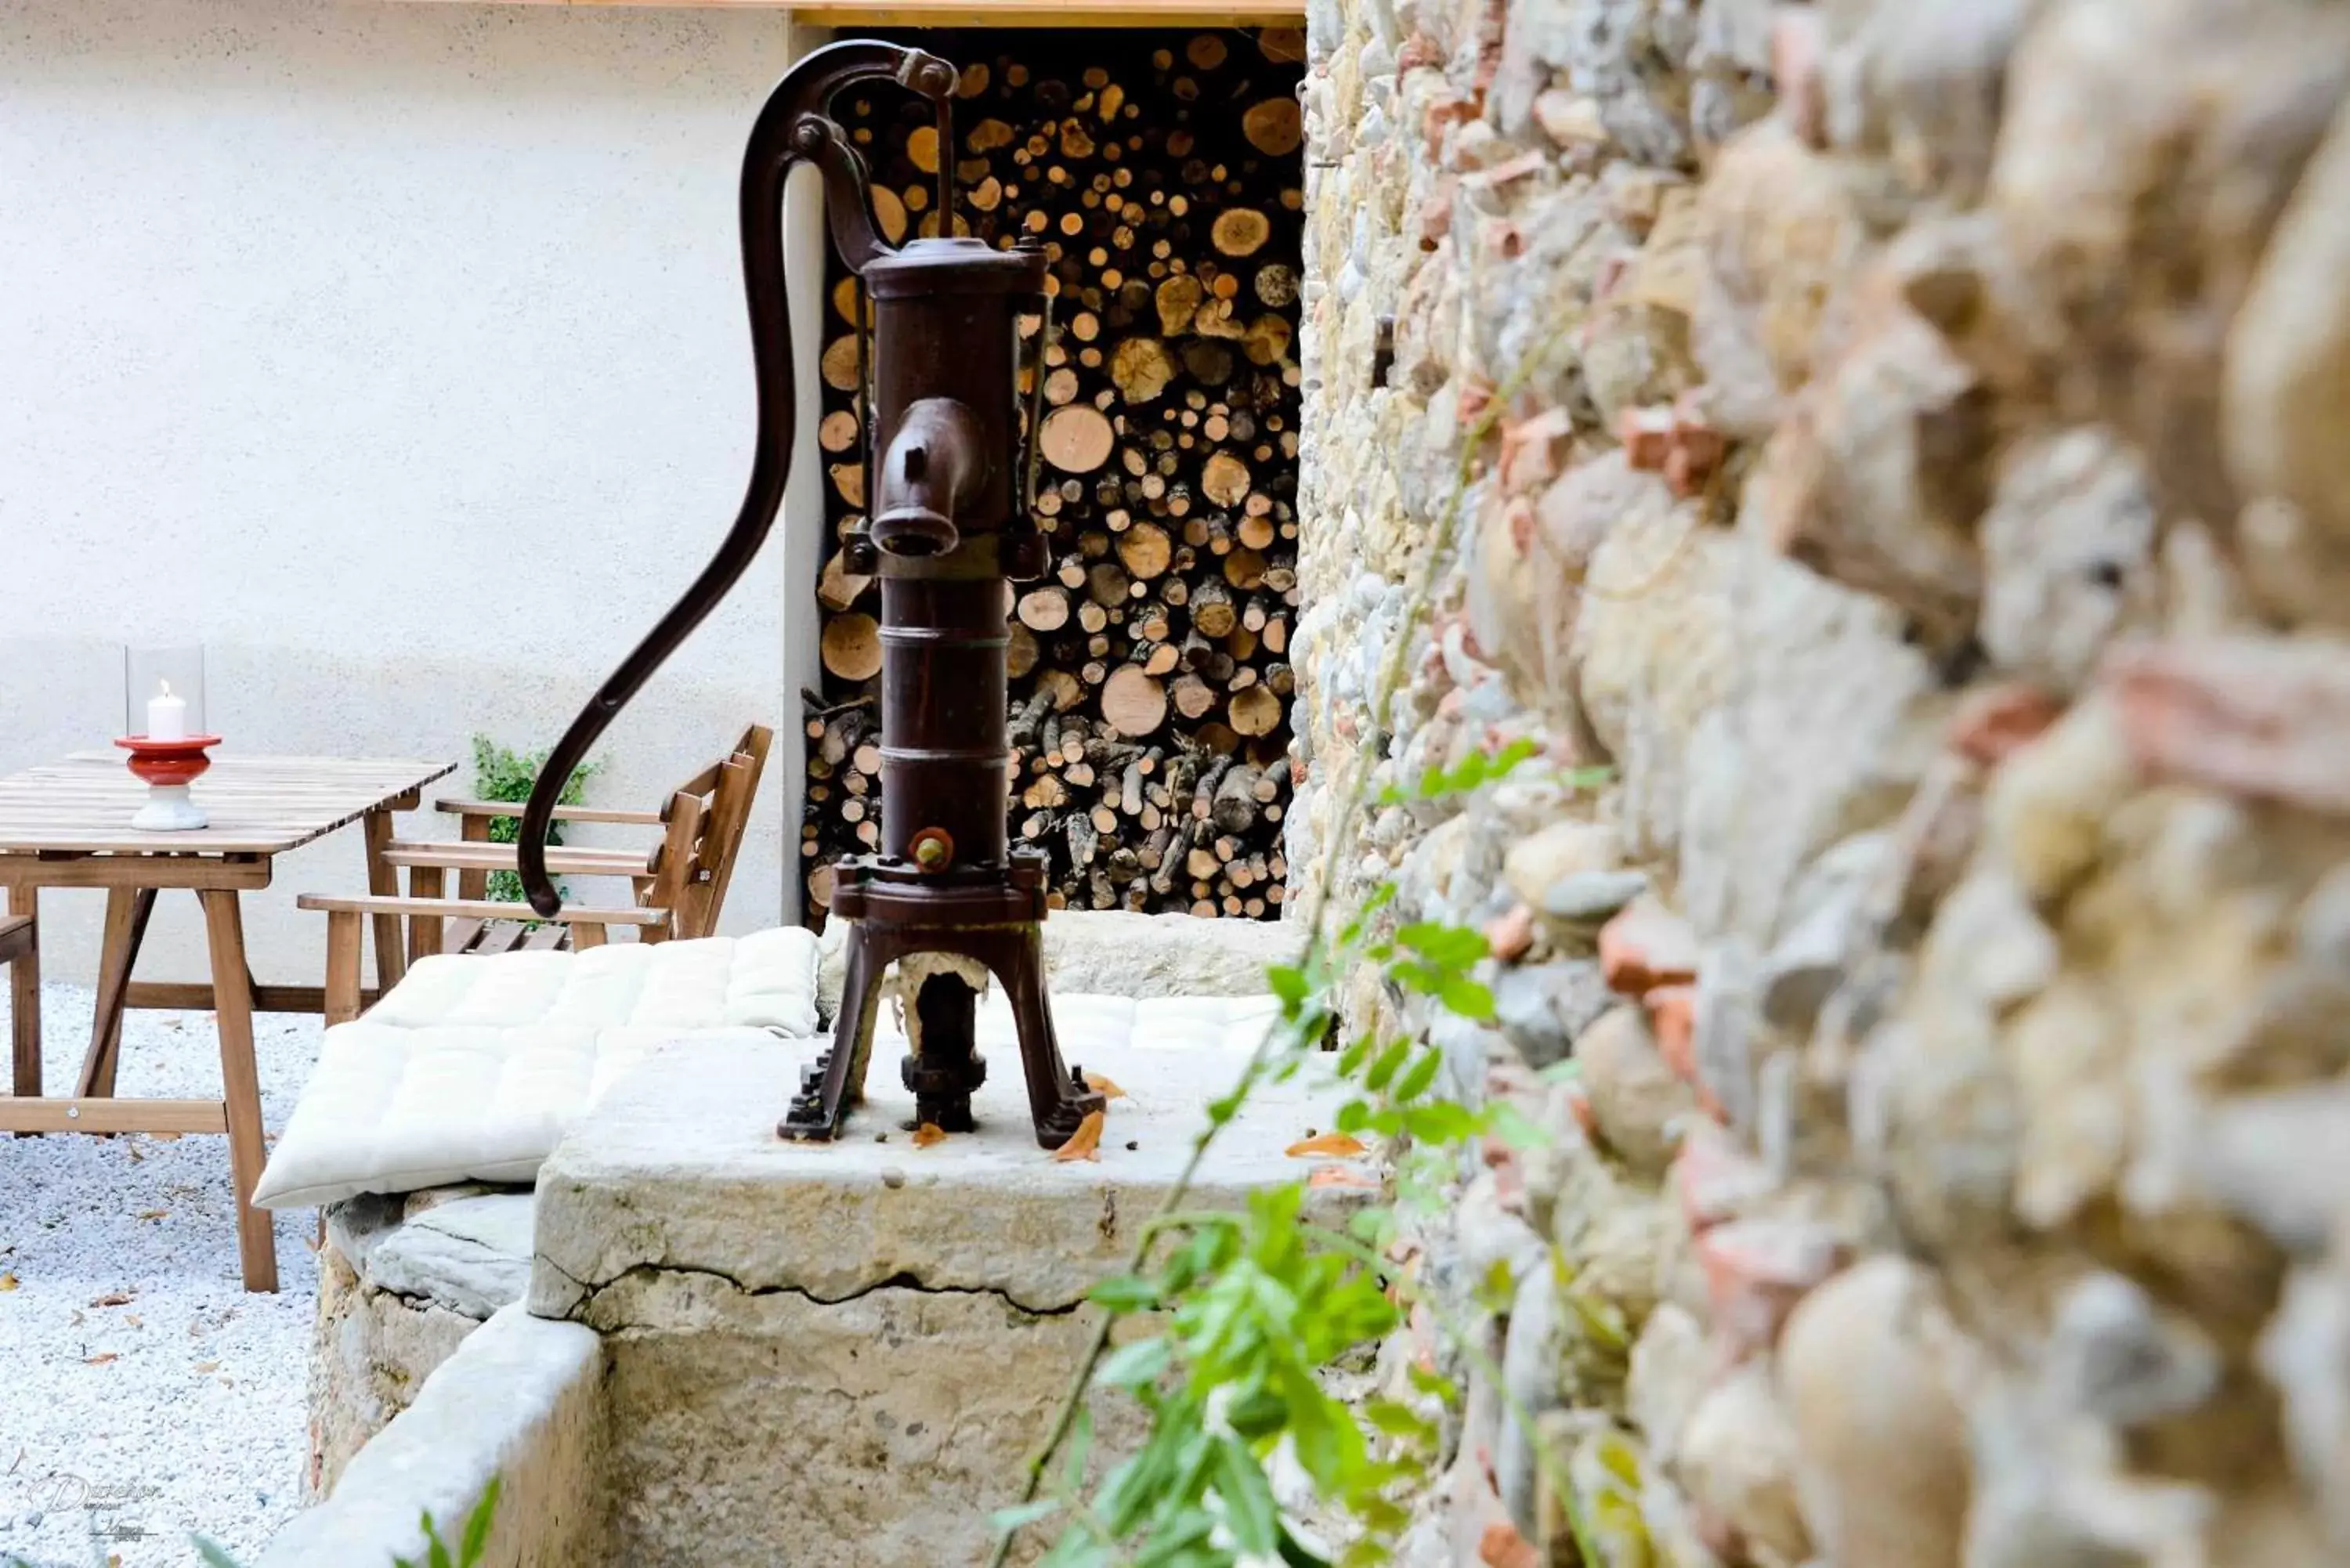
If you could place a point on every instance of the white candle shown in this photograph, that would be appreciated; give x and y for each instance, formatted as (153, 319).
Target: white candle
(167, 716)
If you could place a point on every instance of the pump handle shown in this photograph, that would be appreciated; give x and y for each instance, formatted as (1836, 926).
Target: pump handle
(792, 129)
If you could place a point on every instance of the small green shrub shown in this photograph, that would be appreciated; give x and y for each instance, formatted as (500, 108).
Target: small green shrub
(501, 773)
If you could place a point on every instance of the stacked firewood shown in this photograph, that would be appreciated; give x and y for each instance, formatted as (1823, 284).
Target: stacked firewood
(1150, 683)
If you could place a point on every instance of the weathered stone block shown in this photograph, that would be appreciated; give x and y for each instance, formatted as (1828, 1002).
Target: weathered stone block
(841, 1353)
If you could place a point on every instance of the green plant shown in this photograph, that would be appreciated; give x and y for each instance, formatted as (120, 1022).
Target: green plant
(504, 774)
(1253, 1309)
(437, 1553)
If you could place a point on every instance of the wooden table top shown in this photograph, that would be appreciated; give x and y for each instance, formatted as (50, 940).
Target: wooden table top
(258, 806)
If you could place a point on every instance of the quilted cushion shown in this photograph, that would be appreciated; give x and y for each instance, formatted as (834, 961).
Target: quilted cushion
(473, 1067)
(765, 980)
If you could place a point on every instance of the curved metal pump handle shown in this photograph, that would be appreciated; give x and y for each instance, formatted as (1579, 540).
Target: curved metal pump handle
(792, 129)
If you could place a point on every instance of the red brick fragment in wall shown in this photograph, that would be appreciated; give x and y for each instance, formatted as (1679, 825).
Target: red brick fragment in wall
(1646, 946)
(1502, 1547)
(1435, 218)
(1994, 722)
(1647, 437)
(1443, 113)
(1524, 523)
(1509, 169)
(2266, 718)
(1476, 396)
(1672, 1015)
(1756, 1272)
(1510, 935)
(1534, 450)
(1712, 1179)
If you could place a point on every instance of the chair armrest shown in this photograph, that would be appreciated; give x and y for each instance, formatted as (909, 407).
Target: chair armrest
(562, 813)
(476, 909)
(562, 862)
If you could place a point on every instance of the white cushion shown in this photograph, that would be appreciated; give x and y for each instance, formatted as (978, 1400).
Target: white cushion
(765, 980)
(472, 1067)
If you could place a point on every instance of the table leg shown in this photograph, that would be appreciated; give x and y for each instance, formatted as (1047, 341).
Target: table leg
(390, 960)
(126, 910)
(25, 995)
(240, 1084)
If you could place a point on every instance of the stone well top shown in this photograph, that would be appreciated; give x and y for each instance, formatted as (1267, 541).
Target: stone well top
(679, 1169)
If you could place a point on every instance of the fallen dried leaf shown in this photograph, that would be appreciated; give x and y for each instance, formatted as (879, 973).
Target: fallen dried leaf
(114, 1298)
(153, 1214)
(928, 1134)
(1100, 1084)
(1085, 1142)
(208, 1367)
(101, 1359)
(134, 1320)
(1336, 1145)
(7, 1282)
(1340, 1175)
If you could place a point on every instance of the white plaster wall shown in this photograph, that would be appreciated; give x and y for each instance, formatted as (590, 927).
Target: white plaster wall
(396, 352)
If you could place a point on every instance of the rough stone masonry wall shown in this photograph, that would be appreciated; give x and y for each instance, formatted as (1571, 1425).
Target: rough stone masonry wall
(1921, 477)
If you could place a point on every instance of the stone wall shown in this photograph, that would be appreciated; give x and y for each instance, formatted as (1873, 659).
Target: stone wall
(1907, 473)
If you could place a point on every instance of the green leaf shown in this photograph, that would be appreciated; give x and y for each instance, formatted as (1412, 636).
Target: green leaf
(1387, 1065)
(1288, 982)
(1513, 1128)
(1449, 947)
(1124, 1293)
(1396, 1420)
(1415, 1083)
(1260, 1413)
(1440, 1121)
(1250, 1511)
(1499, 1288)
(1353, 1116)
(436, 1549)
(1135, 1364)
(1466, 998)
(1294, 1554)
(1004, 1520)
(1434, 1383)
(476, 1539)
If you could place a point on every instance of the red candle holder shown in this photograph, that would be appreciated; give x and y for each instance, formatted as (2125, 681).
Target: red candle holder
(168, 767)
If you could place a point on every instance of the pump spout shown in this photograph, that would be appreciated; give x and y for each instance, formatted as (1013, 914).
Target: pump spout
(935, 467)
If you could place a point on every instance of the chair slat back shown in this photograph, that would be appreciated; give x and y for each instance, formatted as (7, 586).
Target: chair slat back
(735, 792)
(673, 865)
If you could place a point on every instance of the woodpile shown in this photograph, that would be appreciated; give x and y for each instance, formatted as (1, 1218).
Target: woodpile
(1150, 691)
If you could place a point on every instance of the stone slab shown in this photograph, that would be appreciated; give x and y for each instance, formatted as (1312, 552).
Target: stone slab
(840, 1356)
(679, 1168)
(521, 1400)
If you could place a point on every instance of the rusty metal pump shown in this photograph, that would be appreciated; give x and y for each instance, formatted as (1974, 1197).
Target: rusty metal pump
(951, 530)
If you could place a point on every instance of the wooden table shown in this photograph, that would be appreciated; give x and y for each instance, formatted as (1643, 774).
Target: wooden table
(69, 825)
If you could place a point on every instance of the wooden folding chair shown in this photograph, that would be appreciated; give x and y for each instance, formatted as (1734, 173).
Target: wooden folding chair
(678, 887)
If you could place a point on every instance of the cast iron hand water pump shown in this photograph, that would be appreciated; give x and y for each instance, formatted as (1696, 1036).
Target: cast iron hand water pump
(951, 528)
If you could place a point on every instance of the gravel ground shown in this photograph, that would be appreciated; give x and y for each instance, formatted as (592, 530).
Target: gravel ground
(143, 1394)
